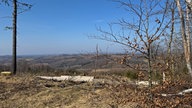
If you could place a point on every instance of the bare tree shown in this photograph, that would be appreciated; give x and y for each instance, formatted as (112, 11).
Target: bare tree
(5, 2)
(96, 58)
(14, 59)
(185, 31)
(147, 26)
(22, 7)
(172, 8)
(169, 40)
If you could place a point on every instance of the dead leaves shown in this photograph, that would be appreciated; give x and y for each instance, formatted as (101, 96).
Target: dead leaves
(126, 93)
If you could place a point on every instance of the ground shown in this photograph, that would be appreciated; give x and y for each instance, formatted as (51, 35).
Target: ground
(28, 91)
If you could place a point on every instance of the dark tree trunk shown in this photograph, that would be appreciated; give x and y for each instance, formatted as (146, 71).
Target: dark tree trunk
(14, 55)
(150, 71)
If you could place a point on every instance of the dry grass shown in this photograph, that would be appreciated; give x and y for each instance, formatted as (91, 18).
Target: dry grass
(27, 91)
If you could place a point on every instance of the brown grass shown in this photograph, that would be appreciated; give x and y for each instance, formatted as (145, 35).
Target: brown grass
(27, 91)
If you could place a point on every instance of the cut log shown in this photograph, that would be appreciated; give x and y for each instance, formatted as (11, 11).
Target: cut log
(185, 91)
(5, 73)
(79, 78)
(146, 83)
(180, 93)
(69, 78)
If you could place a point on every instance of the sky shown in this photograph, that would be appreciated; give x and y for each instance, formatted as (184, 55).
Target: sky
(60, 27)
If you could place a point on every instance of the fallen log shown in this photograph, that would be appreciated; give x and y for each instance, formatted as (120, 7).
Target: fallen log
(69, 78)
(180, 93)
(185, 91)
(146, 83)
(6, 73)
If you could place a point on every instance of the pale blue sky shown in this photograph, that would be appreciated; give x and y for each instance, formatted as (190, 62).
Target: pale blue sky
(59, 27)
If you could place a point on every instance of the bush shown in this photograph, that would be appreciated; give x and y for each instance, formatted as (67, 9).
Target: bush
(73, 71)
(132, 75)
(157, 76)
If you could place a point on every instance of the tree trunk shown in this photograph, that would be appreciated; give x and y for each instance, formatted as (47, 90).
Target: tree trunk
(185, 35)
(96, 58)
(188, 33)
(169, 57)
(150, 71)
(14, 55)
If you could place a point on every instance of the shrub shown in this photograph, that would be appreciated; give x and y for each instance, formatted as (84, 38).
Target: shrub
(132, 75)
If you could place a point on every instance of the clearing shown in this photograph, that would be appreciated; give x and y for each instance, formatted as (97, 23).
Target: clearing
(28, 91)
